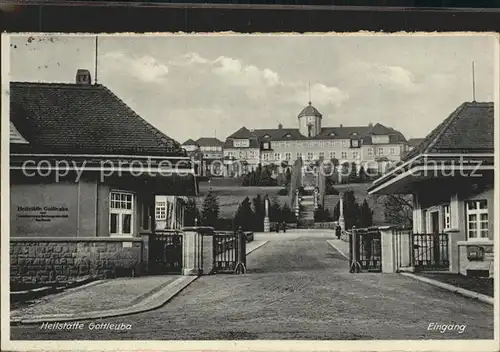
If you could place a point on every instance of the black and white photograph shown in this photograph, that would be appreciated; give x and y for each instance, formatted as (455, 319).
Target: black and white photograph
(226, 187)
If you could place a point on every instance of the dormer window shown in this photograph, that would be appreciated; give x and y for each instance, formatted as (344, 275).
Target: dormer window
(267, 136)
(355, 133)
(354, 143)
(332, 134)
(288, 135)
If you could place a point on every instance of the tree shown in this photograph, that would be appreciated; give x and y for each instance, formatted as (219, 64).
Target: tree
(275, 210)
(210, 210)
(398, 209)
(362, 174)
(288, 177)
(366, 215)
(244, 216)
(345, 172)
(351, 211)
(265, 177)
(191, 213)
(245, 179)
(287, 214)
(259, 213)
(353, 173)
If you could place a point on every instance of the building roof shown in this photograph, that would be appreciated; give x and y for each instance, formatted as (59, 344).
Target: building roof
(190, 142)
(82, 119)
(309, 110)
(242, 133)
(415, 141)
(469, 129)
(355, 132)
(209, 142)
(275, 134)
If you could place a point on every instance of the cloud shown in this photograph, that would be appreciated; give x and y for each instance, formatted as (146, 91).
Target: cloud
(395, 77)
(145, 68)
(322, 95)
(235, 72)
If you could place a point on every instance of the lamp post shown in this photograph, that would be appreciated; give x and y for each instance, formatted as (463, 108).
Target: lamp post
(341, 216)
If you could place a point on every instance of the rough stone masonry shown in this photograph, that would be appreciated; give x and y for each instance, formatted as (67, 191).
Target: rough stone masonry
(45, 260)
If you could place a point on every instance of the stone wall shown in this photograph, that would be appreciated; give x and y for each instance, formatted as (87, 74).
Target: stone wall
(57, 259)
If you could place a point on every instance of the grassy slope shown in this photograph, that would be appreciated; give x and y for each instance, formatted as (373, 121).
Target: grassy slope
(231, 194)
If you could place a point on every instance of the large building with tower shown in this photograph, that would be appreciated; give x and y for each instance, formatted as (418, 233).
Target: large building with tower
(246, 148)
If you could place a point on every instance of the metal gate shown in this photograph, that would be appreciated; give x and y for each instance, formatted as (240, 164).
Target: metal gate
(365, 250)
(430, 251)
(229, 251)
(422, 251)
(165, 252)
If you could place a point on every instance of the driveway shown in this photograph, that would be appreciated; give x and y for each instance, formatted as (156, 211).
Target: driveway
(298, 287)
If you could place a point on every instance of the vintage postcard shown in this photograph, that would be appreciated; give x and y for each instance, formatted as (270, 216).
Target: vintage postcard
(256, 192)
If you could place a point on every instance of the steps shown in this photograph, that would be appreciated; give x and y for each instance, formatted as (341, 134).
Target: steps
(306, 213)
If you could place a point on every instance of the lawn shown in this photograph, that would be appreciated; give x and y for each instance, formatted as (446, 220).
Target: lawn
(231, 194)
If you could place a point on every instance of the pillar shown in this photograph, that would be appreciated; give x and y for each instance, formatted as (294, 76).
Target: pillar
(145, 252)
(341, 217)
(387, 238)
(192, 251)
(418, 216)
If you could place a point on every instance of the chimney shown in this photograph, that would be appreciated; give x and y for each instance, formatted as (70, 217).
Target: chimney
(280, 126)
(340, 125)
(370, 125)
(83, 77)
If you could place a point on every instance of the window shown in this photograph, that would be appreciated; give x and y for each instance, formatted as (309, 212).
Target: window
(277, 156)
(370, 151)
(332, 155)
(121, 213)
(380, 151)
(354, 143)
(344, 155)
(310, 156)
(392, 150)
(355, 155)
(345, 143)
(299, 155)
(241, 143)
(446, 216)
(265, 156)
(322, 155)
(477, 219)
(332, 134)
(161, 211)
(288, 156)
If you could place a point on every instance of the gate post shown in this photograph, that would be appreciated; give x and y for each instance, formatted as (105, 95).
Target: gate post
(192, 251)
(387, 240)
(355, 266)
(242, 244)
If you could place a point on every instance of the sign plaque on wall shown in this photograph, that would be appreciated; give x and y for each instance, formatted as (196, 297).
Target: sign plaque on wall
(475, 253)
(42, 214)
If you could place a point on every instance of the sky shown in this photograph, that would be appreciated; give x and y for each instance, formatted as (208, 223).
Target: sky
(191, 86)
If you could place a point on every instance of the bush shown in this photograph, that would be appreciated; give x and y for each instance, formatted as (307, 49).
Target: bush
(322, 215)
(283, 192)
(330, 190)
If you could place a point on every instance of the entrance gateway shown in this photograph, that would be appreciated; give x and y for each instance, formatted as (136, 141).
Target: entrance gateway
(167, 249)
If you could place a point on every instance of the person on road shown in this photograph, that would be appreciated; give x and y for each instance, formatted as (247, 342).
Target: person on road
(338, 232)
(278, 227)
(284, 226)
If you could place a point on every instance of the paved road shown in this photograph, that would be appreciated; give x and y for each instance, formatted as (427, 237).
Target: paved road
(298, 288)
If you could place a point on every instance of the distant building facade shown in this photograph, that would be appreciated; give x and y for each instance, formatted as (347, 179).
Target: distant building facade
(245, 149)
(207, 152)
